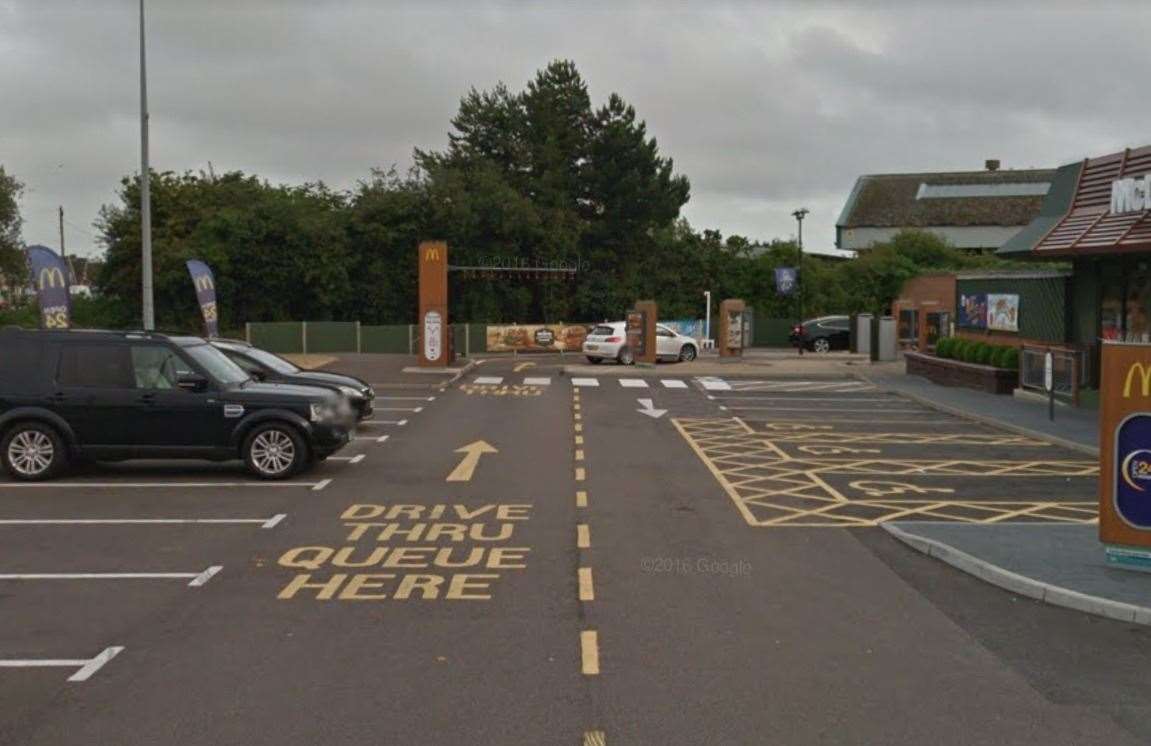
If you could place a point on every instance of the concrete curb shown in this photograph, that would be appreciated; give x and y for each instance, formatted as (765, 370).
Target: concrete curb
(984, 419)
(1020, 584)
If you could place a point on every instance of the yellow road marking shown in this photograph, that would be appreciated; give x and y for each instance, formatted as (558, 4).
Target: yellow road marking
(583, 536)
(580, 474)
(586, 588)
(581, 498)
(589, 651)
(830, 490)
(743, 509)
(579, 427)
(577, 416)
(579, 454)
(467, 466)
(594, 738)
(575, 407)
(579, 440)
(523, 366)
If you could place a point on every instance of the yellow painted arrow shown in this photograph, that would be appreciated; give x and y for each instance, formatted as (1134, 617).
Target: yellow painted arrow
(467, 466)
(523, 366)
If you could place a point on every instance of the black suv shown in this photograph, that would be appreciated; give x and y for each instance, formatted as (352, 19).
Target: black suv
(120, 395)
(267, 366)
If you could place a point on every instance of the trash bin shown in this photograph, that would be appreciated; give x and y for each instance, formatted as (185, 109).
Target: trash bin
(885, 339)
(862, 336)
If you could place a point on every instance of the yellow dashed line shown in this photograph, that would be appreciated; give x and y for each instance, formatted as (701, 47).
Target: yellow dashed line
(586, 587)
(579, 454)
(581, 499)
(583, 536)
(577, 416)
(579, 427)
(579, 440)
(594, 738)
(580, 474)
(589, 652)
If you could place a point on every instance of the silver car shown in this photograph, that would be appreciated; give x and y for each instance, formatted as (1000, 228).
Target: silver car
(609, 342)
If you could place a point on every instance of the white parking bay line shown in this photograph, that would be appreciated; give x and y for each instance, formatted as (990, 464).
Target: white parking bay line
(633, 383)
(537, 382)
(197, 578)
(87, 667)
(157, 485)
(585, 382)
(407, 398)
(263, 522)
(489, 379)
(321, 485)
(401, 423)
(673, 383)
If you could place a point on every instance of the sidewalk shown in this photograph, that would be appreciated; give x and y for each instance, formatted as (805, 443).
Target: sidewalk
(1059, 564)
(1073, 428)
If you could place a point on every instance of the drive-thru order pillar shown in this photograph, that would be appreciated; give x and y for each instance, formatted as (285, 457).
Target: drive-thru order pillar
(730, 340)
(1125, 454)
(435, 334)
(640, 330)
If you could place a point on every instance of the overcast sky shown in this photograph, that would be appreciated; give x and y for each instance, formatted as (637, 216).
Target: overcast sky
(765, 106)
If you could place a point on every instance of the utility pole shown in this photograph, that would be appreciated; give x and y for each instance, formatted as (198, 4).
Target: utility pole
(63, 253)
(145, 189)
(799, 215)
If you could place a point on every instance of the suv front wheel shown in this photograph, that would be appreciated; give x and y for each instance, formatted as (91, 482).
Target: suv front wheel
(274, 451)
(33, 452)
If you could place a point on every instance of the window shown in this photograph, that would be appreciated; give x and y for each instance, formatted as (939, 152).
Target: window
(157, 367)
(104, 366)
(602, 331)
(217, 364)
(268, 360)
(21, 360)
(664, 332)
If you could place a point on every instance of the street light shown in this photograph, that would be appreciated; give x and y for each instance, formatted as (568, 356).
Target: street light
(799, 215)
(145, 190)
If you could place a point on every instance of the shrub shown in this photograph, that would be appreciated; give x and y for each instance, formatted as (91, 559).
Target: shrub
(943, 347)
(959, 349)
(1010, 359)
(973, 351)
(988, 354)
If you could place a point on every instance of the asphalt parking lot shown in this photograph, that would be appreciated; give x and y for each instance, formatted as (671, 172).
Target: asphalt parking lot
(533, 557)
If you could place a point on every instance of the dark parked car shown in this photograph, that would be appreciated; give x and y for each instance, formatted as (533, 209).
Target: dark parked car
(824, 334)
(267, 366)
(121, 395)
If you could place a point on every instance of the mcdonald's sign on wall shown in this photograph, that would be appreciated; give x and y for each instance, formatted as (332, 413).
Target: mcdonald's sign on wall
(1125, 453)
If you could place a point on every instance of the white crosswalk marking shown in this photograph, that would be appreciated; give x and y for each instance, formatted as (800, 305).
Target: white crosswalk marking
(537, 381)
(633, 383)
(489, 379)
(714, 384)
(673, 383)
(797, 386)
(585, 382)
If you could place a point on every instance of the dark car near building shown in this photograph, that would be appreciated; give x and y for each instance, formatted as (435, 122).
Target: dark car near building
(823, 334)
(67, 395)
(267, 366)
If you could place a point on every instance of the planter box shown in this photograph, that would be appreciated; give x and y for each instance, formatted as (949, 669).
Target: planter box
(948, 372)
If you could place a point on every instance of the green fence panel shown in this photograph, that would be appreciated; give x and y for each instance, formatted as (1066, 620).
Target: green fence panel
(278, 336)
(459, 339)
(770, 332)
(390, 338)
(331, 336)
(478, 341)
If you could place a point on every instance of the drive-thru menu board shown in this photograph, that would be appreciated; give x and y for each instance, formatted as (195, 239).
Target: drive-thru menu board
(1125, 453)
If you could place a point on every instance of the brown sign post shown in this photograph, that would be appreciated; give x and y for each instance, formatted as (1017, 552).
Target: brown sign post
(434, 331)
(1125, 454)
(640, 328)
(730, 339)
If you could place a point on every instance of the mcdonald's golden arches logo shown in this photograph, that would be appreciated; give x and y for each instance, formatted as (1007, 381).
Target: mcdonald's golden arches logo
(204, 282)
(432, 254)
(1144, 372)
(51, 277)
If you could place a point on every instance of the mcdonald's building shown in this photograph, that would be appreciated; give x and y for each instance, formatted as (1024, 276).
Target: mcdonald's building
(1096, 217)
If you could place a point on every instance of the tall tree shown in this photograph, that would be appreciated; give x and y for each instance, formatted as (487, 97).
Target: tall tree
(11, 258)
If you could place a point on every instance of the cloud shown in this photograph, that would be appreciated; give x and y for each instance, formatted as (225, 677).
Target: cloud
(764, 108)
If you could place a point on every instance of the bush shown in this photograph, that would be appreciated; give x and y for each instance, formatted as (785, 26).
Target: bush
(988, 354)
(959, 349)
(972, 352)
(943, 347)
(1010, 359)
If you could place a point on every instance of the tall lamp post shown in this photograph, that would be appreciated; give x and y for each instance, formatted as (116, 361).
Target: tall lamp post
(707, 317)
(145, 190)
(799, 215)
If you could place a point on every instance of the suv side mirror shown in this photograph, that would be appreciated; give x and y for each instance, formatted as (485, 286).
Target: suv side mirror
(192, 382)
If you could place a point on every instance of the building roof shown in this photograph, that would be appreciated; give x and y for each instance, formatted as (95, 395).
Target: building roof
(1077, 216)
(956, 199)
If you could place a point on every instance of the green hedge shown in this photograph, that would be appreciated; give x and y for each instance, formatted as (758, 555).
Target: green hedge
(980, 353)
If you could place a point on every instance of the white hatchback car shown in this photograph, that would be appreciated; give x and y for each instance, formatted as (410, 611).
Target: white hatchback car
(609, 342)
